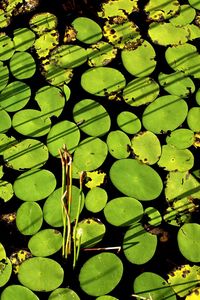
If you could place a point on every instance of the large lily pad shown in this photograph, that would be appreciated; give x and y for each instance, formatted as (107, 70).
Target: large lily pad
(45, 43)
(5, 121)
(6, 190)
(135, 179)
(193, 119)
(6, 47)
(185, 16)
(63, 294)
(181, 138)
(4, 76)
(118, 144)
(101, 54)
(23, 38)
(128, 122)
(157, 10)
(22, 65)
(96, 199)
(18, 292)
(5, 271)
(43, 22)
(116, 8)
(87, 30)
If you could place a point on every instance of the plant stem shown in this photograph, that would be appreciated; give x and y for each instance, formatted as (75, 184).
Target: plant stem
(118, 248)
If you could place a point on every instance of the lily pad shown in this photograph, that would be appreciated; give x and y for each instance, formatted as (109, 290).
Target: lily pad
(43, 22)
(128, 122)
(6, 47)
(91, 117)
(23, 38)
(6, 190)
(5, 271)
(22, 65)
(100, 274)
(157, 10)
(44, 274)
(159, 116)
(139, 246)
(46, 42)
(18, 292)
(118, 144)
(94, 179)
(5, 121)
(4, 76)
(153, 215)
(15, 96)
(6, 142)
(194, 4)
(198, 96)
(135, 179)
(193, 119)
(63, 294)
(140, 91)
(34, 185)
(87, 30)
(29, 218)
(105, 81)
(63, 133)
(96, 199)
(185, 16)
(181, 138)
(101, 54)
(120, 8)
(123, 211)
(144, 55)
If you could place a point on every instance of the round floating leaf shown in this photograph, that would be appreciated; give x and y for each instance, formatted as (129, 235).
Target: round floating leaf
(22, 65)
(101, 274)
(45, 43)
(69, 56)
(185, 16)
(44, 274)
(144, 55)
(120, 8)
(159, 11)
(53, 208)
(118, 144)
(154, 216)
(63, 294)
(45, 242)
(31, 122)
(146, 147)
(188, 241)
(198, 96)
(90, 155)
(89, 232)
(5, 121)
(5, 271)
(67, 92)
(135, 179)
(6, 142)
(4, 76)
(6, 47)
(181, 138)
(177, 84)
(94, 179)
(29, 218)
(43, 22)
(55, 103)
(87, 30)
(63, 133)
(17, 259)
(2, 252)
(15, 96)
(23, 39)
(91, 117)
(102, 81)
(194, 4)
(40, 183)
(101, 54)
(26, 154)
(18, 292)
(128, 122)
(173, 159)
(139, 245)
(194, 32)
(123, 211)
(140, 91)
(193, 118)
(6, 190)
(155, 287)
(96, 199)
(160, 115)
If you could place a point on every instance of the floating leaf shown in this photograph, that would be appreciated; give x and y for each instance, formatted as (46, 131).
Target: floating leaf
(100, 54)
(100, 274)
(5, 121)
(185, 16)
(118, 144)
(6, 47)
(43, 22)
(17, 292)
(157, 10)
(95, 179)
(118, 8)
(154, 216)
(194, 4)
(5, 271)
(22, 65)
(23, 38)
(6, 142)
(128, 122)
(44, 274)
(6, 190)
(181, 138)
(63, 294)
(45, 43)
(96, 199)
(193, 119)
(87, 30)
(17, 259)
(4, 76)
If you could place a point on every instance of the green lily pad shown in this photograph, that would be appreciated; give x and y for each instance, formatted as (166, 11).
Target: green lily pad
(120, 8)
(34, 185)
(5, 271)
(18, 292)
(139, 246)
(173, 159)
(144, 54)
(26, 154)
(23, 39)
(193, 119)
(89, 232)
(63, 133)
(135, 179)
(194, 4)
(15, 96)
(87, 30)
(146, 147)
(159, 116)
(5, 121)
(52, 208)
(6, 142)
(29, 218)
(198, 96)
(90, 155)
(194, 31)
(155, 287)
(56, 100)
(67, 92)
(4, 19)
(153, 215)
(157, 10)
(118, 144)
(6, 47)
(100, 274)
(4, 76)
(105, 81)
(46, 42)
(1, 175)
(181, 138)
(43, 22)
(63, 294)
(22, 65)
(31, 122)
(45, 242)
(44, 274)
(177, 84)
(128, 122)
(6, 190)
(91, 117)
(185, 16)
(140, 91)
(96, 199)
(188, 237)
(123, 211)
(101, 54)
(94, 178)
